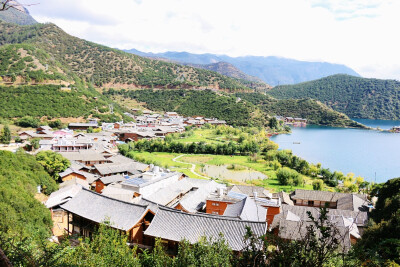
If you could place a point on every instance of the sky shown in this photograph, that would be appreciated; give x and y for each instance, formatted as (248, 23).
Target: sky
(361, 34)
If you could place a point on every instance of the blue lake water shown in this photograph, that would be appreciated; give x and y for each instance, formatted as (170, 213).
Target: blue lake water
(364, 152)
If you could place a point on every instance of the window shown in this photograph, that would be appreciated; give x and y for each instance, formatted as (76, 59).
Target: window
(215, 212)
(215, 204)
(311, 203)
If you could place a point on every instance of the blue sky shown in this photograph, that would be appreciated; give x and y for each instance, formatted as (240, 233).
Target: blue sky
(358, 33)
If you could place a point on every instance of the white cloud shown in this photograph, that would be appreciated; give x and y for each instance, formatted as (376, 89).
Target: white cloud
(358, 33)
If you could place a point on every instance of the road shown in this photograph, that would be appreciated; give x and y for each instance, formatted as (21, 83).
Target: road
(192, 169)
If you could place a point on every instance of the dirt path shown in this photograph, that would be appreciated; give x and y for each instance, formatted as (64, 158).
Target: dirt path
(192, 169)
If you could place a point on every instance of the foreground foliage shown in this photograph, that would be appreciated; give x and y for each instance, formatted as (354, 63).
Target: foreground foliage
(25, 223)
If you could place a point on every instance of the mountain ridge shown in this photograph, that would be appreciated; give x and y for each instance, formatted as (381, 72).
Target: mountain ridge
(104, 66)
(18, 14)
(272, 70)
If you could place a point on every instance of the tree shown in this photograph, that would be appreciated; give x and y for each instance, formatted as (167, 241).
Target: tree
(287, 176)
(52, 162)
(381, 241)
(107, 248)
(35, 143)
(273, 123)
(388, 200)
(56, 124)
(5, 136)
(318, 184)
(28, 121)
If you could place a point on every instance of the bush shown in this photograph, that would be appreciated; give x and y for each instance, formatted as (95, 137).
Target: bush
(288, 176)
(318, 184)
(28, 121)
(55, 124)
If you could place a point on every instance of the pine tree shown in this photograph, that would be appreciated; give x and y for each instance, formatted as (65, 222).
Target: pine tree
(5, 136)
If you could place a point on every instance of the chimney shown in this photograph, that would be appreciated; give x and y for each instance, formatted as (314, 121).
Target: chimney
(220, 192)
(156, 169)
(255, 195)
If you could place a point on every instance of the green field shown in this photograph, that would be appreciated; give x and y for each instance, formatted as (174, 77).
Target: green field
(165, 160)
(207, 136)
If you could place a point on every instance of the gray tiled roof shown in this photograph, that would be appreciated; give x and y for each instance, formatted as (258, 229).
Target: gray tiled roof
(359, 217)
(176, 225)
(168, 194)
(75, 181)
(116, 192)
(249, 190)
(140, 182)
(246, 209)
(83, 155)
(114, 168)
(195, 200)
(352, 202)
(112, 178)
(90, 178)
(296, 230)
(285, 198)
(293, 226)
(63, 195)
(320, 195)
(98, 208)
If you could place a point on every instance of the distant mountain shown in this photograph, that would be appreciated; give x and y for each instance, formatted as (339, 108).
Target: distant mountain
(230, 70)
(272, 70)
(356, 97)
(18, 15)
(45, 52)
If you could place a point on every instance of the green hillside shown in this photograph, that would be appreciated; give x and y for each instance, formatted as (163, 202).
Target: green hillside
(356, 97)
(55, 101)
(101, 65)
(314, 111)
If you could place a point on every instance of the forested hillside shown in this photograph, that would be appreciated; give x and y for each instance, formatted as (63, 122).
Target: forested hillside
(102, 65)
(356, 97)
(55, 101)
(314, 111)
(24, 221)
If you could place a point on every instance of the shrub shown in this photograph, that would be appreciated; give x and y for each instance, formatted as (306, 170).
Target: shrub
(288, 176)
(28, 121)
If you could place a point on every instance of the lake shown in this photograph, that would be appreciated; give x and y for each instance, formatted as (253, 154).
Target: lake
(366, 153)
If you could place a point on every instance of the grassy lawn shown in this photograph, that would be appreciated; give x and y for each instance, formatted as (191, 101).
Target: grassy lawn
(165, 160)
(206, 136)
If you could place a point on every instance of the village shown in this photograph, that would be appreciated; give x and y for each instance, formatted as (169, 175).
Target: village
(148, 202)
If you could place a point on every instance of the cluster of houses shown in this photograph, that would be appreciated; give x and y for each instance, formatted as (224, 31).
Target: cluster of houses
(149, 202)
(292, 121)
(107, 135)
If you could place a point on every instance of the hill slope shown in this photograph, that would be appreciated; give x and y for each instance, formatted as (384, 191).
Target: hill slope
(357, 97)
(105, 66)
(197, 103)
(18, 15)
(314, 111)
(272, 70)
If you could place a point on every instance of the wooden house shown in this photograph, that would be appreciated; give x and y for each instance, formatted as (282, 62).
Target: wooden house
(88, 209)
(173, 226)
